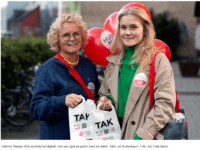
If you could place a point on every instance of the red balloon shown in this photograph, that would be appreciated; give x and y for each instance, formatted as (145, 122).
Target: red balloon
(163, 47)
(110, 23)
(136, 4)
(99, 44)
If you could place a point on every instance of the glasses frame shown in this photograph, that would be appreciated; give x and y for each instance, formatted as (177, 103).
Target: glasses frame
(71, 35)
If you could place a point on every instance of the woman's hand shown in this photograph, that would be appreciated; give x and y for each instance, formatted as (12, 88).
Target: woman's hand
(72, 100)
(105, 103)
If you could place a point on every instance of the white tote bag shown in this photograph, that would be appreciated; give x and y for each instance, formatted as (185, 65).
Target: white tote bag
(105, 125)
(79, 120)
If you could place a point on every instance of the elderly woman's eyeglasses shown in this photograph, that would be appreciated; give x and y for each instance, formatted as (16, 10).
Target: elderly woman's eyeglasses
(67, 36)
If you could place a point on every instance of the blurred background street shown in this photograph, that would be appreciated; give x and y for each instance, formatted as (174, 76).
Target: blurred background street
(24, 27)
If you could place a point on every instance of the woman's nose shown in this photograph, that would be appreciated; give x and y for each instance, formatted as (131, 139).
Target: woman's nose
(128, 31)
(72, 38)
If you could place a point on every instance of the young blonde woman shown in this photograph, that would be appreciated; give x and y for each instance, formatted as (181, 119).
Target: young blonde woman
(127, 78)
(55, 88)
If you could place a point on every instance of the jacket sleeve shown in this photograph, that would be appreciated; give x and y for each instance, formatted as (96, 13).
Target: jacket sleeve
(164, 99)
(104, 89)
(44, 104)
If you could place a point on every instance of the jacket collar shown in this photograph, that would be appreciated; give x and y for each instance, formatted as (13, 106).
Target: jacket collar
(112, 58)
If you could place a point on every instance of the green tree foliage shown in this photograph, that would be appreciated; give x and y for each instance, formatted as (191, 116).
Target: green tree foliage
(21, 54)
(167, 29)
(72, 6)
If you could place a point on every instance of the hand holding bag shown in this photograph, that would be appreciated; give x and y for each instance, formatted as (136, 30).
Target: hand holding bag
(79, 120)
(105, 125)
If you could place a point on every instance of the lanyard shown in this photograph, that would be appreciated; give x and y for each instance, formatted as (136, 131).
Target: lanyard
(76, 75)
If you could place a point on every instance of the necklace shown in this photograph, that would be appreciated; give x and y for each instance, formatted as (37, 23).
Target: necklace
(71, 63)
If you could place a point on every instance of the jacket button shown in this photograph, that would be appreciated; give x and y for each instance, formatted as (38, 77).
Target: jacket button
(133, 122)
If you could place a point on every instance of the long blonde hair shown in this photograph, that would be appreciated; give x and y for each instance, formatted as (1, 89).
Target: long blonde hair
(146, 48)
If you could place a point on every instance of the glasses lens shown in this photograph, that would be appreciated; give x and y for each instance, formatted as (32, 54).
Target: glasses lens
(77, 35)
(66, 36)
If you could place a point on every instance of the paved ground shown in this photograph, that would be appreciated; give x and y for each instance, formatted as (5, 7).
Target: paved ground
(188, 89)
(32, 132)
(189, 95)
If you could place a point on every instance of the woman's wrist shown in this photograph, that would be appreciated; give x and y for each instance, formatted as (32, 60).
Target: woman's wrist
(108, 96)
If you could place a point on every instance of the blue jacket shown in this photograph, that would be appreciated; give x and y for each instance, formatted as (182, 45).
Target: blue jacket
(53, 82)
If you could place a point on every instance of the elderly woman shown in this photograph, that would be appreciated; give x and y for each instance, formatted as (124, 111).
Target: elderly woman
(55, 87)
(127, 78)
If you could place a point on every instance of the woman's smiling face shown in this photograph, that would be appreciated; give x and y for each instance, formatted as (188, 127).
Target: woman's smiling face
(72, 45)
(131, 30)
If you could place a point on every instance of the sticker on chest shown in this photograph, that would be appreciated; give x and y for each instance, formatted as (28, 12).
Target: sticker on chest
(140, 80)
(91, 87)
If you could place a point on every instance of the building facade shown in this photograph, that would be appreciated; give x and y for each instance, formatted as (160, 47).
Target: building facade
(25, 22)
(32, 17)
(96, 12)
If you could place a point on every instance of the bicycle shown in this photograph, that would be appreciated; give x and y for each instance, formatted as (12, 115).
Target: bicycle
(15, 104)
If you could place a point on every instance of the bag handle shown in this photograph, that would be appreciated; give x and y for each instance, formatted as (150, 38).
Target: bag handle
(83, 102)
(152, 82)
(111, 111)
(76, 75)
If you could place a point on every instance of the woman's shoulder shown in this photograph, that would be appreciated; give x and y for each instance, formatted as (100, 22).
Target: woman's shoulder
(161, 56)
(47, 62)
(50, 64)
(112, 58)
(162, 61)
(50, 67)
